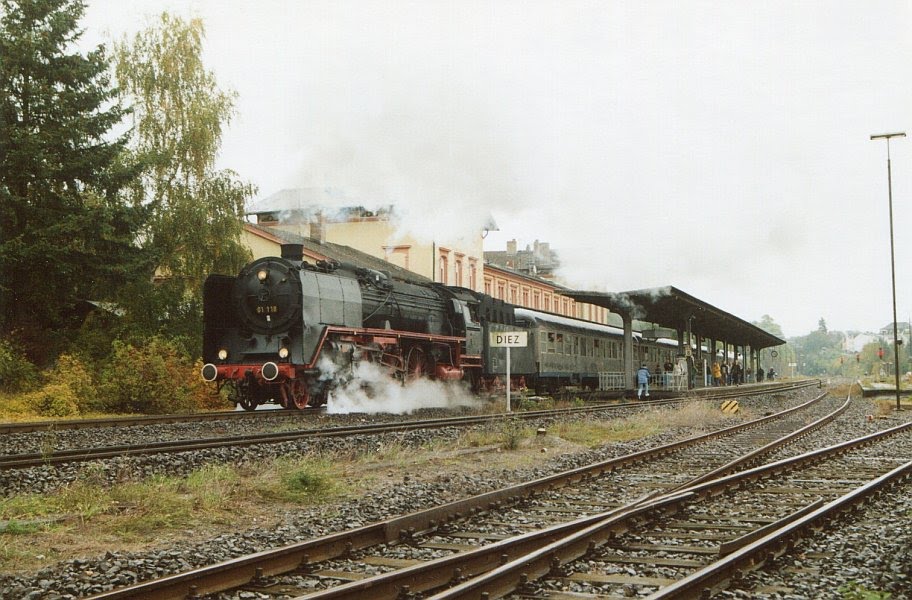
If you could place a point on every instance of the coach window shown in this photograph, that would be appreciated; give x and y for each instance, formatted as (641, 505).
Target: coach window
(559, 342)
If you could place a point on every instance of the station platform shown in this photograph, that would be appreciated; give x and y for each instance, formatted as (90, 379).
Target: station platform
(869, 390)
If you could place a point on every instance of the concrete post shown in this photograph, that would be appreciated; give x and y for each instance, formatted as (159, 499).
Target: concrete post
(629, 366)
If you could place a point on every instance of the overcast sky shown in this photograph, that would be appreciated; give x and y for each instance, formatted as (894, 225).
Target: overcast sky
(719, 147)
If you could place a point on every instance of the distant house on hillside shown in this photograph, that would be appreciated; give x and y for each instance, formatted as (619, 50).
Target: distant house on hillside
(903, 330)
(855, 342)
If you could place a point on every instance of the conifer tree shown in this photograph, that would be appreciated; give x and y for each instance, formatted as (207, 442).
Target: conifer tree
(64, 234)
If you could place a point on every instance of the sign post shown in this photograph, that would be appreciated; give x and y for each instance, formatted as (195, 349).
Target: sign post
(509, 339)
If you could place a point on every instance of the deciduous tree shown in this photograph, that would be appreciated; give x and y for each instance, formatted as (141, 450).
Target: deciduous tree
(196, 211)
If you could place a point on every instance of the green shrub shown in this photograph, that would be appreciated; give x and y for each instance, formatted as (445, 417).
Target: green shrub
(17, 374)
(53, 400)
(156, 377)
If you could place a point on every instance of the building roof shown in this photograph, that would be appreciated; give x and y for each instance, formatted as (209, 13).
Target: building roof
(305, 200)
(335, 252)
(524, 275)
(671, 307)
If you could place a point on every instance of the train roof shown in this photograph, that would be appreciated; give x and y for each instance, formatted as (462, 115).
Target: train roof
(542, 317)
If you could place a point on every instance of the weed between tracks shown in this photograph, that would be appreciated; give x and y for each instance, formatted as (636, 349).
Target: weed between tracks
(91, 517)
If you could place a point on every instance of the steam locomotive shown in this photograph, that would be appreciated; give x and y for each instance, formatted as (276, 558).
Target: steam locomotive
(273, 332)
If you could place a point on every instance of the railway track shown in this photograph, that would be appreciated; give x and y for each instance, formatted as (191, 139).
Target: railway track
(695, 542)
(143, 420)
(506, 523)
(73, 455)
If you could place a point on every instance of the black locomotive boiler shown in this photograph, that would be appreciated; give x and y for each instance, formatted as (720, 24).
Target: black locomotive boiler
(268, 329)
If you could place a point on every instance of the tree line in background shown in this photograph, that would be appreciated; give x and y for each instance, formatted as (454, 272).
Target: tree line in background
(824, 353)
(111, 209)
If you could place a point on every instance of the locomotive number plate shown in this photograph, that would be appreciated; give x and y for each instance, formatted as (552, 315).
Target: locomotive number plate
(269, 309)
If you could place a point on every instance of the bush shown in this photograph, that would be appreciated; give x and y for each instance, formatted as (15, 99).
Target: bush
(156, 377)
(17, 374)
(71, 372)
(53, 400)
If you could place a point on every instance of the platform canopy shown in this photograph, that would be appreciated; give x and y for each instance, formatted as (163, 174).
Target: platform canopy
(670, 307)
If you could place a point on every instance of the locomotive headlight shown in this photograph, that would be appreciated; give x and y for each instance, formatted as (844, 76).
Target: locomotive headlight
(283, 352)
(223, 354)
(262, 274)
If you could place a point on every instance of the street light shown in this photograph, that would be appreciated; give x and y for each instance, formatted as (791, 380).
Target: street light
(887, 136)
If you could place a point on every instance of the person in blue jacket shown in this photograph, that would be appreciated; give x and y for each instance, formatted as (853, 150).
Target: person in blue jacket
(642, 381)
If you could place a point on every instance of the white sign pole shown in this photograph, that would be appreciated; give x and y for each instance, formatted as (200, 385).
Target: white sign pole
(508, 379)
(509, 339)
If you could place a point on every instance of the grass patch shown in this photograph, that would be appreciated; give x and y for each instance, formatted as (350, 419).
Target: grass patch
(507, 435)
(83, 516)
(856, 591)
(300, 480)
(592, 433)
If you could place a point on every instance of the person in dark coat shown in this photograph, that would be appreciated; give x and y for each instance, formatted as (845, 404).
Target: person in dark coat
(737, 373)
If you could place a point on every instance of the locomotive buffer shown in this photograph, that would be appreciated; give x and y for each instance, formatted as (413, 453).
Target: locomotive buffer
(509, 339)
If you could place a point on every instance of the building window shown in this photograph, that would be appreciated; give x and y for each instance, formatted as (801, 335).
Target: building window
(500, 291)
(443, 269)
(458, 265)
(398, 255)
(473, 274)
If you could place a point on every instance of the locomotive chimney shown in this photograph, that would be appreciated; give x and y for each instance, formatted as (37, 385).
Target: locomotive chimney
(293, 251)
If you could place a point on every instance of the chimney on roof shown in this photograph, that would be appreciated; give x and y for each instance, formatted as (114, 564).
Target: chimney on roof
(317, 231)
(293, 251)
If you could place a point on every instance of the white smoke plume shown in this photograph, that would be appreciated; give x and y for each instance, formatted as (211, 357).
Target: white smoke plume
(368, 388)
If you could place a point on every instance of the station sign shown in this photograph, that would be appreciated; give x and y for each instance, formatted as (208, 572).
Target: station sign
(509, 339)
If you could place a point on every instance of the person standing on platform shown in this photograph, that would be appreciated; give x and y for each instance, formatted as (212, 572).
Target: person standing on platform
(642, 381)
(717, 374)
(737, 374)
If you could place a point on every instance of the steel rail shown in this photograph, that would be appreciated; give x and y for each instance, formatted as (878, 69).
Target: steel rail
(508, 577)
(66, 424)
(37, 459)
(246, 569)
(433, 574)
(780, 541)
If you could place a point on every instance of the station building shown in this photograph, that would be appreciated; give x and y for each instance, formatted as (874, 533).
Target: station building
(325, 215)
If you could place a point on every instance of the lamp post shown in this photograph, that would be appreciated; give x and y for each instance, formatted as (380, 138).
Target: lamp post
(887, 136)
